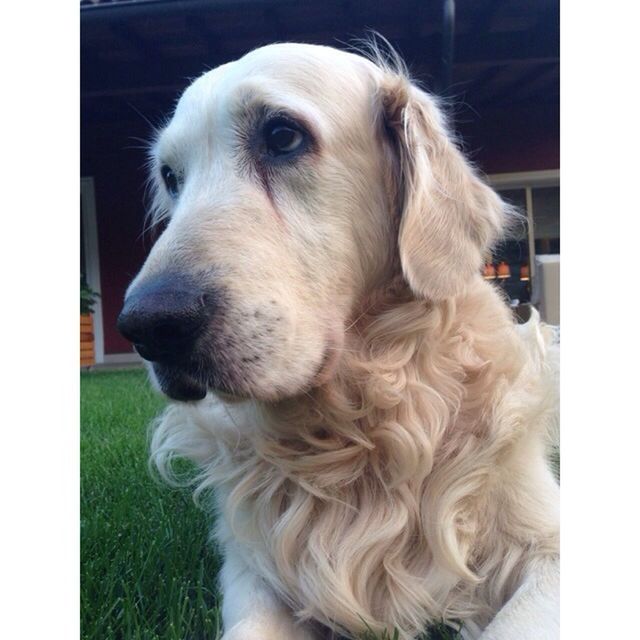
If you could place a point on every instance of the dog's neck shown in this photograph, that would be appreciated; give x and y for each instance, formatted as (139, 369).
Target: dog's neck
(399, 421)
(376, 458)
(403, 393)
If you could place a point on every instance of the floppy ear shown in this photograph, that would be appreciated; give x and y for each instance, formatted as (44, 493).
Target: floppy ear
(450, 218)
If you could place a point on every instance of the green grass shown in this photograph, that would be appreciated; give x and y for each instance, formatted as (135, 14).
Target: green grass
(147, 569)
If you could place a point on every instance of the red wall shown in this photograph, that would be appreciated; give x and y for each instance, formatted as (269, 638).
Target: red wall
(512, 140)
(117, 169)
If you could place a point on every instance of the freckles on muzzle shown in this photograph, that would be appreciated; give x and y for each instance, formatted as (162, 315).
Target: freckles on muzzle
(197, 340)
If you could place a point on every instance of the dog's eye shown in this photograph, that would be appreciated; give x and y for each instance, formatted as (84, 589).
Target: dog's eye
(171, 181)
(282, 138)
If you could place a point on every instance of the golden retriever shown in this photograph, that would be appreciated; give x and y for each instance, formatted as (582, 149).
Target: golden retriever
(373, 421)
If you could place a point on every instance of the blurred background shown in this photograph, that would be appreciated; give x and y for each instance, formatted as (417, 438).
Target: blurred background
(497, 62)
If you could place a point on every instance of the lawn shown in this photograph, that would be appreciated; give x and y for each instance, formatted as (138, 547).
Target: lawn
(147, 569)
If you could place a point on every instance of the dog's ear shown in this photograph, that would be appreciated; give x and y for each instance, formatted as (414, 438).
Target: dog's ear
(450, 217)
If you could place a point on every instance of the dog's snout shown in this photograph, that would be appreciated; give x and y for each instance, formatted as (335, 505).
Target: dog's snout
(165, 317)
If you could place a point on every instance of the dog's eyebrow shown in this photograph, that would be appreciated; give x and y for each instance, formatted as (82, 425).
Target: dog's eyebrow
(166, 145)
(251, 106)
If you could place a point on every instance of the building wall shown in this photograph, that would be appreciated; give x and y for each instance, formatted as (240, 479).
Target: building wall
(117, 168)
(526, 138)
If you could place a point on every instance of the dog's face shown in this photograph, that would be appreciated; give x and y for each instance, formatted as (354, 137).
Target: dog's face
(277, 181)
(271, 178)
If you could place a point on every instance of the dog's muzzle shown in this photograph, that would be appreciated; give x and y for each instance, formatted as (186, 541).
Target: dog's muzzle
(165, 318)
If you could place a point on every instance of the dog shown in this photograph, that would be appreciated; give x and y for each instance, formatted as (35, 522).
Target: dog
(373, 421)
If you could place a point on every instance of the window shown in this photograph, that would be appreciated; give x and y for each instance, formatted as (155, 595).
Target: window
(546, 219)
(536, 195)
(89, 259)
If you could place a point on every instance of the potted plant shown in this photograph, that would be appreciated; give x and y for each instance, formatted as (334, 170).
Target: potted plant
(88, 298)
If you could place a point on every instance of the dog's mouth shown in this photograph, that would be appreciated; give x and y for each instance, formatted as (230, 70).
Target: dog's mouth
(190, 379)
(180, 383)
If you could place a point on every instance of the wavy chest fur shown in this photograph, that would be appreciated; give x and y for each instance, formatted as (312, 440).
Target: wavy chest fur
(373, 499)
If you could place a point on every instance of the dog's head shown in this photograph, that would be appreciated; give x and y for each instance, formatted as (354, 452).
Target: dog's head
(293, 182)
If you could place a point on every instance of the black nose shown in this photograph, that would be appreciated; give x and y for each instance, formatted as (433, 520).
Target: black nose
(164, 317)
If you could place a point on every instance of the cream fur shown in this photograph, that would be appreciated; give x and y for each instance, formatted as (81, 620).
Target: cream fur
(406, 482)
(411, 488)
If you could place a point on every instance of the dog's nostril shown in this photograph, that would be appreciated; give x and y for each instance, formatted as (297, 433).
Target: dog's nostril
(157, 338)
(167, 333)
(207, 301)
(174, 331)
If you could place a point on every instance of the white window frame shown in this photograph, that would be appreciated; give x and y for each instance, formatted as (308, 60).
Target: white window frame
(92, 265)
(527, 180)
(92, 259)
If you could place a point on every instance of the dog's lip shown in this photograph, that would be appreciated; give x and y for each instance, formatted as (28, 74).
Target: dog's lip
(180, 384)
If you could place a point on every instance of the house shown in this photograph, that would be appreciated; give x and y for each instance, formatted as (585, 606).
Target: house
(497, 63)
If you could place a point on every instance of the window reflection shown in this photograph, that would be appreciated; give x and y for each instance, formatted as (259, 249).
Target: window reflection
(509, 267)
